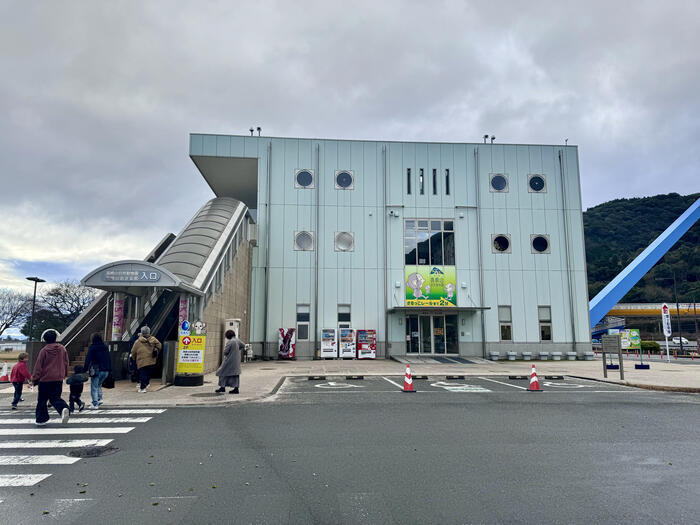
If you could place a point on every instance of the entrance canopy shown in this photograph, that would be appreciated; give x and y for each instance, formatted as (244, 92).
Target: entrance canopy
(134, 277)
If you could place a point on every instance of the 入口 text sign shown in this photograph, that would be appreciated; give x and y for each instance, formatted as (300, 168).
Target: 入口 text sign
(190, 356)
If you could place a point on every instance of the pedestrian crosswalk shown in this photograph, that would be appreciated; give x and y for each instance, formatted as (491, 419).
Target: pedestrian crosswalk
(17, 451)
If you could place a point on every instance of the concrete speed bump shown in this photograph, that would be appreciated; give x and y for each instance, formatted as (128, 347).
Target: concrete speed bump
(316, 378)
(354, 378)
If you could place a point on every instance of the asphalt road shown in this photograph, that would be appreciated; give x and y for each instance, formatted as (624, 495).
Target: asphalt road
(340, 451)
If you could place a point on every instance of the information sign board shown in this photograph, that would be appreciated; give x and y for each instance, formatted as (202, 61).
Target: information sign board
(190, 355)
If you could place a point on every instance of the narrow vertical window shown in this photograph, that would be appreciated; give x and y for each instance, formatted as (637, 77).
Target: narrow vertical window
(505, 322)
(303, 321)
(434, 181)
(447, 182)
(421, 183)
(408, 181)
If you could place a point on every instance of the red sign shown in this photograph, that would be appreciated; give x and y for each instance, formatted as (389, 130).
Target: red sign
(186, 340)
(664, 309)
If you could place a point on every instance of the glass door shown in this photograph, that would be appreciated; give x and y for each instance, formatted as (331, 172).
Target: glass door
(426, 334)
(438, 334)
(412, 334)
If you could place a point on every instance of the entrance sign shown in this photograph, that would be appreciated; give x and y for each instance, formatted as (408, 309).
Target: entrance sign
(190, 355)
(430, 285)
(666, 323)
(131, 276)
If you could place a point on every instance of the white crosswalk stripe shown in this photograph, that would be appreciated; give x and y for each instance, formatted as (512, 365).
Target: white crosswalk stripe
(55, 443)
(16, 424)
(21, 480)
(43, 459)
(79, 420)
(100, 412)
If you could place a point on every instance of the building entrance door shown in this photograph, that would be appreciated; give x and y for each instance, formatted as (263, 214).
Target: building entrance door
(431, 334)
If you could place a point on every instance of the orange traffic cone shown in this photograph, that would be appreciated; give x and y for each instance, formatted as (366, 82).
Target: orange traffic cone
(408, 380)
(3, 375)
(534, 382)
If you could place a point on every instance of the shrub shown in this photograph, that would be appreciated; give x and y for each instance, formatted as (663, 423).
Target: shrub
(650, 346)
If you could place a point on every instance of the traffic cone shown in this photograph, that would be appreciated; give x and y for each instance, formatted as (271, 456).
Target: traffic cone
(534, 382)
(3, 375)
(408, 380)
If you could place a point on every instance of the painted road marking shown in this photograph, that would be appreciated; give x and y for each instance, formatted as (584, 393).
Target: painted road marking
(56, 443)
(392, 382)
(63, 431)
(502, 383)
(459, 387)
(21, 480)
(565, 385)
(79, 420)
(90, 413)
(333, 384)
(37, 460)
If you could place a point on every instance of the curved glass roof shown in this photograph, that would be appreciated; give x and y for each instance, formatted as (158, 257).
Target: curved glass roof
(188, 255)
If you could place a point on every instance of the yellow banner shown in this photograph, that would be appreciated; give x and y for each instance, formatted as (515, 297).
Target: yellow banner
(190, 355)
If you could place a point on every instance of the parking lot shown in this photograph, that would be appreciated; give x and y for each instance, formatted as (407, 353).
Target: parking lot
(446, 385)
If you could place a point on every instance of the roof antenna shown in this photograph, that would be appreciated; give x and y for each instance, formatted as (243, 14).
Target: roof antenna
(566, 142)
(493, 137)
(486, 137)
(251, 131)
(259, 130)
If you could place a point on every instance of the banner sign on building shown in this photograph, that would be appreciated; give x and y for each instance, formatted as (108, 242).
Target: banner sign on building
(117, 319)
(630, 339)
(287, 343)
(431, 285)
(190, 355)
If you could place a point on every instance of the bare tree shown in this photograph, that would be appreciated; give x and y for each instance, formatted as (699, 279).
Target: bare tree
(14, 307)
(67, 300)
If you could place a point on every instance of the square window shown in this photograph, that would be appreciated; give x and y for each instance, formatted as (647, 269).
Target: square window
(303, 332)
(504, 314)
(436, 226)
(449, 226)
(544, 313)
(545, 332)
(506, 332)
(344, 313)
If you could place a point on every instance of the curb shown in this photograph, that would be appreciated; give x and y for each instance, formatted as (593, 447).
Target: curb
(644, 386)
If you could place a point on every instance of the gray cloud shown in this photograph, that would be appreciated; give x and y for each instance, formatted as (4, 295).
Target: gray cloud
(98, 98)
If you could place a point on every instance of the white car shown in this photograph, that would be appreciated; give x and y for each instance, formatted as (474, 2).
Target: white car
(677, 340)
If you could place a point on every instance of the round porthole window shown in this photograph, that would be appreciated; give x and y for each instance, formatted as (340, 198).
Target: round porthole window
(501, 243)
(304, 178)
(540, 244)
(499, 182)
(344, 242)
(344, 180)
(536, 183)
(304, 241)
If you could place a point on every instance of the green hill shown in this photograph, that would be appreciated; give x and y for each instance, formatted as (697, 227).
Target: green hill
(619, 230)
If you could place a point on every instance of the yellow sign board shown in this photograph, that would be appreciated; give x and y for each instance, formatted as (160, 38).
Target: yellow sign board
(190, 355)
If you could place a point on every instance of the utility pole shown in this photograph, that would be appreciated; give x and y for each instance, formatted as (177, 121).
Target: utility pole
(678, 313)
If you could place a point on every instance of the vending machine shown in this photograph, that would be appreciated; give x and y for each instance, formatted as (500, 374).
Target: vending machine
(347, 343)
(329, 343)
(366, 344)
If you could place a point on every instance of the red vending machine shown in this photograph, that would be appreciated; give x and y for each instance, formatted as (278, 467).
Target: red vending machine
(366, 344)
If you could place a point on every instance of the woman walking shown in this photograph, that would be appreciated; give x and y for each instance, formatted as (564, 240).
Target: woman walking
(230, 370)
(50, 370)
(145, 353)
(98, 365)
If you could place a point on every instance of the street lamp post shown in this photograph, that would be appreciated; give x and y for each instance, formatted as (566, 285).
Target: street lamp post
(678, 308)
(36, 281)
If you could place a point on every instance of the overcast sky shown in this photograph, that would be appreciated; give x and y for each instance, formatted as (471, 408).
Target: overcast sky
(98, 97)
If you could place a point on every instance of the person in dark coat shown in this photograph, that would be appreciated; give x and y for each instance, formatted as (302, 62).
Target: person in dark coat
(230, 370)
(99, 361)
(75, 382)
(50, 369)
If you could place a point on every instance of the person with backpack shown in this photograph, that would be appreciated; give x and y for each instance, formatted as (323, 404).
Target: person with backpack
(98, 365)
(18, 376)
(145, 353)
(50, 369)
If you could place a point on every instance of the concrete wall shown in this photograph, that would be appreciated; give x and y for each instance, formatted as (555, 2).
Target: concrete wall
(231, 302)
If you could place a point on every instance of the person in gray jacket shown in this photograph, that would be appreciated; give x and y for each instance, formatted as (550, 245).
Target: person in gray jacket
(230, 370)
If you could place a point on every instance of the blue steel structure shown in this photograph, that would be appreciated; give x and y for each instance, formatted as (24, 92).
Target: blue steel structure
(616, 289)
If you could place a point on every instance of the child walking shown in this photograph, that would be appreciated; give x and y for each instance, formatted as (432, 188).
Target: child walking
(18, 376)
(75, 382)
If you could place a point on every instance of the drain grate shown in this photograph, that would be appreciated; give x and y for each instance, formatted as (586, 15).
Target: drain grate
(93, 452)
(206, 394)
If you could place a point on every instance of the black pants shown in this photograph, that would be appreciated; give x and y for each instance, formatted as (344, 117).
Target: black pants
(145, 375)
(49, 391)
(18, 393)
(74, 399)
